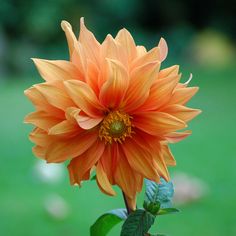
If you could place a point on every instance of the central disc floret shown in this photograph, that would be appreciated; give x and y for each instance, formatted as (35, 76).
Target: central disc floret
(116, 126)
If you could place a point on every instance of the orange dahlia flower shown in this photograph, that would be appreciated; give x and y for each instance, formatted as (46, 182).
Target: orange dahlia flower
(110, 108)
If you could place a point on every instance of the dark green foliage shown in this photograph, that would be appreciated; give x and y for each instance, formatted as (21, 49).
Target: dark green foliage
(138, 223)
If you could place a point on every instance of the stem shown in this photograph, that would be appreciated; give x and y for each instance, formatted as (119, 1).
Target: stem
(126, 204)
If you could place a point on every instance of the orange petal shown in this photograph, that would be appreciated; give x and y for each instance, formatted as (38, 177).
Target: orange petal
(111, 49)
(124, 176)
(80, 61)
(140, 82)
(160, 165)
(150, 56)
(71, 113)
(71, 39)
(39, 151)
(41, 119)
(140, 160)
(183, 95)
(126, 40)
(113, 90)
(167, 155)
(42, 104)
(170, 71)
(40, 137)
(109, 161)
(175, 137)
(89, 43)
(87, 122)
(64, 128)
(103, 181)
(163, 49)
(92, 77)
(56, 70)
(141, 50)
(84, 97)
(55, 96)
(181, 112)
(64, 149)
(131, 202)
(160, 93)
(157, 123)
(80, 165)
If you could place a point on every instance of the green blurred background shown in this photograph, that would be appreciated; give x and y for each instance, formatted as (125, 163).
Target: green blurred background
(37, 200)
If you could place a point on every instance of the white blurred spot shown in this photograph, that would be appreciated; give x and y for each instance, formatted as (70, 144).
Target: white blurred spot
(50, 173)
(188, 188)
(56, 207)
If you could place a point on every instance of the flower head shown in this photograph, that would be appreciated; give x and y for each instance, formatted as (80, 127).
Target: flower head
(111, 107)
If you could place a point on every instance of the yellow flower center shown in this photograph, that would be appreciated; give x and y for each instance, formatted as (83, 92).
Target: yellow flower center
(116, 126)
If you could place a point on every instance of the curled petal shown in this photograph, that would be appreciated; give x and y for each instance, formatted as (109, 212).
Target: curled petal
(163, 49)
(157, 123)
(84, 97)
(103, 181)
(56, 70)
(71, 113)
(113, 90)
(86, 122)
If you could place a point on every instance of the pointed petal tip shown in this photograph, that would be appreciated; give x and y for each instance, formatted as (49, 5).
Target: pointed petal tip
(35, 60)
(65, 25)
(163, 49)
(82, 22)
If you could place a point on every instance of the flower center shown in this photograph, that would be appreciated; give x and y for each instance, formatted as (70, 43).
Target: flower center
(116, 126)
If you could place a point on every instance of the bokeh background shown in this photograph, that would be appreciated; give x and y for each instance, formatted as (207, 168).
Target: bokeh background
(36, 199)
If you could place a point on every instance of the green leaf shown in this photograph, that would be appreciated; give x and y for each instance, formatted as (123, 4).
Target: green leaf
(162, 192)
(107, 221)
(138, 223)
(157, 235)
(152, 207)
(165, 211)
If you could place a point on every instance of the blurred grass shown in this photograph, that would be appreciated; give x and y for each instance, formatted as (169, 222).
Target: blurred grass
(208, 154)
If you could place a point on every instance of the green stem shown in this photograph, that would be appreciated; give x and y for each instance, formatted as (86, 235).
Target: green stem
(126, 204)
